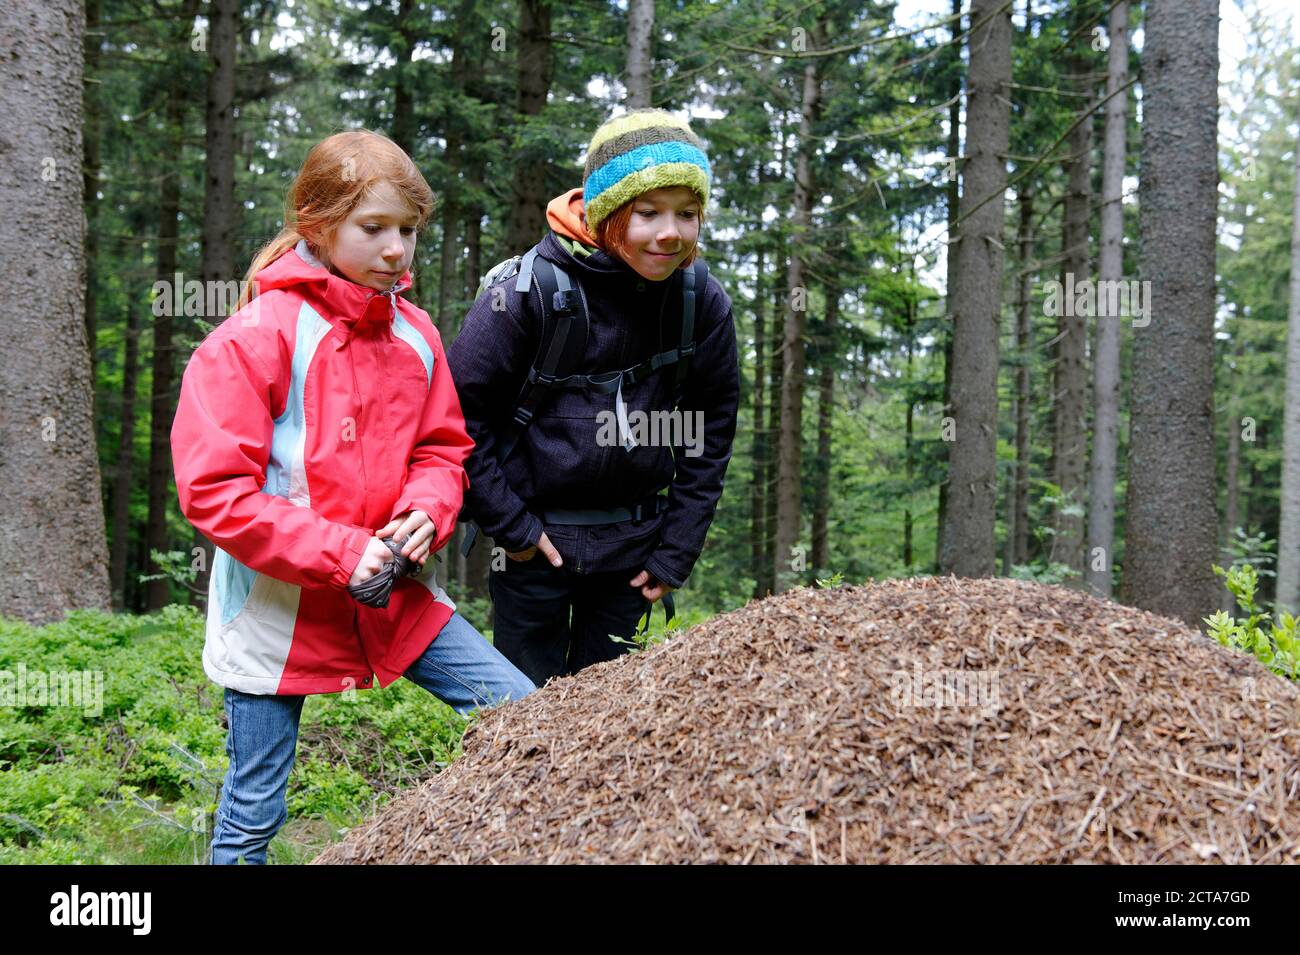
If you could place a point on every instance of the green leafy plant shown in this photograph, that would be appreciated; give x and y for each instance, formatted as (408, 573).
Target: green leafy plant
(176, 566)
(831, 582)
(1273, 645)
(659, 630)
(1254, 549)
(644, 640)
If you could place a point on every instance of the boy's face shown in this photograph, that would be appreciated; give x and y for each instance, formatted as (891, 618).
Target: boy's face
(663, 230)
(375, 244)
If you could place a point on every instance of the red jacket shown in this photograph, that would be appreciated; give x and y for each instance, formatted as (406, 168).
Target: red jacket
(308, 420)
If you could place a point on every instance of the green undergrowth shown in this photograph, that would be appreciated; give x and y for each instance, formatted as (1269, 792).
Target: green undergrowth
(130, 773)
(128, 769)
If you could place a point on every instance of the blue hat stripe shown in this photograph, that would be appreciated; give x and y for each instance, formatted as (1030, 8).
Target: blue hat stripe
(643, 157)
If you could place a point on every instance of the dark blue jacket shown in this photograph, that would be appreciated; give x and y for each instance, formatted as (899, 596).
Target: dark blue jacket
(558, 462)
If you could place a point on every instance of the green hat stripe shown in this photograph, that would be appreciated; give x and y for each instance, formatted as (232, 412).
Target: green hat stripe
(638, 119)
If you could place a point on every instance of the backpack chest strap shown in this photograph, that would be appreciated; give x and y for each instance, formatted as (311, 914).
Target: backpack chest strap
(606, 382)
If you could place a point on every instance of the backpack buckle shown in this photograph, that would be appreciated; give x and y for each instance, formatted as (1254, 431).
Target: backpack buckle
(536, 377)
(565, 302)
(687, 350)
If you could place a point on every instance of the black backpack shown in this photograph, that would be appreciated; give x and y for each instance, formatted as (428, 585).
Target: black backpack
(562, 305)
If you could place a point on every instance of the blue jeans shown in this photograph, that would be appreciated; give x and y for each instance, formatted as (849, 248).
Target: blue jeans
(460, 668)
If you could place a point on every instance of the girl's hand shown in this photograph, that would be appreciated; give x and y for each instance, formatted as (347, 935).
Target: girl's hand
(372, 561)
(417, 529)
(652, 588)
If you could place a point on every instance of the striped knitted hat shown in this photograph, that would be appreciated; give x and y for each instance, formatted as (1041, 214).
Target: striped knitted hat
(643, 150)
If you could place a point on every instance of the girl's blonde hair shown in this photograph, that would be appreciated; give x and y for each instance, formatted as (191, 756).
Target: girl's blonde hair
(337, 173)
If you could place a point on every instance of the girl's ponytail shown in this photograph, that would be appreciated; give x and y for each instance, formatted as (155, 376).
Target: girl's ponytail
(287, 239)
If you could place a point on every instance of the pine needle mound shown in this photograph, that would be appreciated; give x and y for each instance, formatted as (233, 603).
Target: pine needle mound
(792, 730)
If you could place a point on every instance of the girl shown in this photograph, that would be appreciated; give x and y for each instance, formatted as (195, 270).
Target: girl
(591, 540)
(313, 423)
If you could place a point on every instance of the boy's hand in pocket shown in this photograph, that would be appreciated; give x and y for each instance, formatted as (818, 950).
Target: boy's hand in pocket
(545, 546)
(414, 530)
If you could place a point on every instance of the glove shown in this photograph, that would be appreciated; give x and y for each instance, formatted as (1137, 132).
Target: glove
(375, 591)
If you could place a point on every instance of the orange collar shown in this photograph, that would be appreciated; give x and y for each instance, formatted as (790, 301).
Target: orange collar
(563, 213)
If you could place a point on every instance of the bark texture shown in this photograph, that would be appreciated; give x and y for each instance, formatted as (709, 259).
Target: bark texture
(53, 552)
(1171, 521)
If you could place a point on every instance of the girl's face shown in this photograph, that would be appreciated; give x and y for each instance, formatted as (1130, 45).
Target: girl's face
(375, 244)
(664, 228)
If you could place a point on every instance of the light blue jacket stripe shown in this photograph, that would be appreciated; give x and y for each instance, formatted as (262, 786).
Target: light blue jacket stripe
(285, 473)
(407, 333)
(231, 582)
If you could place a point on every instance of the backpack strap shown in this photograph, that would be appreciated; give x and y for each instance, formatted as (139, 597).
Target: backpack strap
(667, 600)
(566, 326)
(526, 270)
(694, 281)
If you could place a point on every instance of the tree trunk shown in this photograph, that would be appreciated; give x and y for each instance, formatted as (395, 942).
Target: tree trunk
(1171, 519)
(909, 431)
(472, 228)
(528, 187)
(53, 551)
(1288, 542)
(162, 401)
(909, 471)
(1105, 361)
(219, 158)
(403, 101)
(123, 477)
(1024, 339)
(968, 539)
(790, 446)
(404, 121)
(1070, 398)
(775, 375)
(451, 214)
(825, 409)
(449, 249)
(90, 173)
(1231, 480)
(950, 282)
(478, 565)
(757, 510)
(220, 211)
(640, 36)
